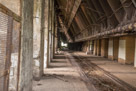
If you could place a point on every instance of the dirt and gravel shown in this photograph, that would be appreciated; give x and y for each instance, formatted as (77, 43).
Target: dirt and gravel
(97, 77)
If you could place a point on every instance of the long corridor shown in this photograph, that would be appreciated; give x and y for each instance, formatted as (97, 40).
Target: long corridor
(76, 71)
(67, 45)
(61, 76)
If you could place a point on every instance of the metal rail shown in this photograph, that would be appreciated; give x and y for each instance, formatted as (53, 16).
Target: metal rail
(121, 83)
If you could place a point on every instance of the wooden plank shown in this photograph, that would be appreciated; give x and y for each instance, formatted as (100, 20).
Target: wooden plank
(9, 13)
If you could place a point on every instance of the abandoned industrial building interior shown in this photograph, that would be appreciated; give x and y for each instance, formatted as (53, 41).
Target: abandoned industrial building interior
(67, 45)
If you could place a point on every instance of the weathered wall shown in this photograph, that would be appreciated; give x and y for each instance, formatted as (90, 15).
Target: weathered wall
(135, 54)
(85, 46)
(91, 46)
(130, 47)
(104, 48)
(53, 30)
(49, 50)
(110, 49)
(26, 60)
(13, 78)
(98, 47)
(95, 47)
(126, 49)
(122, 50)
(115, 48)
(13, 5)
(46, 47)
(37, 40)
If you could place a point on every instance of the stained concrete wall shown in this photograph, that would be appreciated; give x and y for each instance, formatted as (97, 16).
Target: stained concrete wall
(99, 47)
(13, 78)
(56, 37)
(85, 46)
(104, 48)
(95, 47)
(37, 40)
(126, 50)
(115, 48)
(26, 60)
(91, 46)
(13, 72)
(135, 54)
(49, 50)
(130, 47)
(122, 50)
(46, 31)
(110, 49)
(53, 29)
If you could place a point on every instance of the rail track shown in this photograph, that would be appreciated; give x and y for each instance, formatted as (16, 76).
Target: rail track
(101, 79)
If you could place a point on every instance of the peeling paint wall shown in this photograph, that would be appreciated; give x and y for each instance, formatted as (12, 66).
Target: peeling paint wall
(26, 54)
(104, 48)
(46, 8)
(37, 35)
(130, 47)
(13, 72)
(135, 54)
(122, 49)
(110, 49)
(13, 78)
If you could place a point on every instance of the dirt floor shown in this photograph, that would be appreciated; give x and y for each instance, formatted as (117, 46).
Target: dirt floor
(76, 71)
(61, 76)
(105, 74)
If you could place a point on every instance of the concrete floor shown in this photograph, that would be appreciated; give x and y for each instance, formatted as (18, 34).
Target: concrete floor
(126, 73)
(61, 76)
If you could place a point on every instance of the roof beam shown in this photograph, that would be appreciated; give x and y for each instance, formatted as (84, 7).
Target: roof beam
(65, 30)
(74, 11)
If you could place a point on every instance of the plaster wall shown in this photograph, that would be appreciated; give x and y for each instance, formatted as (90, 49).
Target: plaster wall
(110, 48)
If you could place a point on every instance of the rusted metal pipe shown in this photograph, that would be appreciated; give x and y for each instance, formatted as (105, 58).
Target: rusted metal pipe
(121, 29)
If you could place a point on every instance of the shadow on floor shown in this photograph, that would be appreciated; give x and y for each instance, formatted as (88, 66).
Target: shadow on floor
(59, 57)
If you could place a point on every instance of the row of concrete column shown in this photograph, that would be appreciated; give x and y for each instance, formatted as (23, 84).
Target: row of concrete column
(121, 49)
(38, 41)
(45, 27)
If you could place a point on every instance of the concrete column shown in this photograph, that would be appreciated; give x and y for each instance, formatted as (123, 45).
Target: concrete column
(91, 46)
(26, 54)
(37, 40)
(126, 50)
(135, 54)
(95, 47)
(55, 37)
(115, 48)
(88, 48)
(46, 32)
(53, 30)
(122, 50)
(98, 47)
(130, 47)
(50, 31)
(110, 49)
(104, 48)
